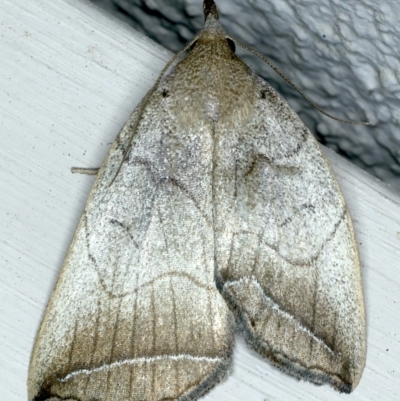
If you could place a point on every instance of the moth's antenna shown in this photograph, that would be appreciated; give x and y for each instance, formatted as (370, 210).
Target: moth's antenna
(144, 103)
(280, 73)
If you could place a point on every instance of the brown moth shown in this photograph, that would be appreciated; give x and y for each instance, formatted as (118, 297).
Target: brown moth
(222, 213)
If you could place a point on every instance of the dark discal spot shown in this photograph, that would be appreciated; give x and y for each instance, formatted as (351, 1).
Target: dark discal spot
(231, 44)
(308, 206)
(165, 93)
(263, 94)
(252, 322)
(92, 259)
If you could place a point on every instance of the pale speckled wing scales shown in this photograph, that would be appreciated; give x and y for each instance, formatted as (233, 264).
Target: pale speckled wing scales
(286, 251)
(224, 188)
(135, 314)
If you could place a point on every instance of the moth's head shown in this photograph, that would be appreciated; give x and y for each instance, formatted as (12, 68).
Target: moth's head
(210, 10)
(212, 30)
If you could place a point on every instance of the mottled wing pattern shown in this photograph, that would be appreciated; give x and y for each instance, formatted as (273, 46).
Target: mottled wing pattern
(135, 313)
(286, 251)
(224, 187)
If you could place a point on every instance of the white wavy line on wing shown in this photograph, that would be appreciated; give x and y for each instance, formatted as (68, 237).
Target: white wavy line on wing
(274, 306)
(138, 360)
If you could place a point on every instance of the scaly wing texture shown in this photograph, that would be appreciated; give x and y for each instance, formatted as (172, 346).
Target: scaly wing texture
(223, 181)
(286, 251)
(135, 314)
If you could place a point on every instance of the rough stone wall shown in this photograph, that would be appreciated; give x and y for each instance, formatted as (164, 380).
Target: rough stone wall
(342, 54)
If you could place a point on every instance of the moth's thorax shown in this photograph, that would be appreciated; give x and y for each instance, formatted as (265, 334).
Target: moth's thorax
(212, 83)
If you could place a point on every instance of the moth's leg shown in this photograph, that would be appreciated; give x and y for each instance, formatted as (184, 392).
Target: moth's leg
(84, 170)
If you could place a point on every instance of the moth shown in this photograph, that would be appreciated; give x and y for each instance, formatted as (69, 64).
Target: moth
(214, 210)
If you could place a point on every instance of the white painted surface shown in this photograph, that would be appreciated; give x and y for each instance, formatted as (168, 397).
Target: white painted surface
(70, 76)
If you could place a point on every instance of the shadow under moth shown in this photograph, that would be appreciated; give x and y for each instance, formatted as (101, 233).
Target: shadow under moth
(213, 210)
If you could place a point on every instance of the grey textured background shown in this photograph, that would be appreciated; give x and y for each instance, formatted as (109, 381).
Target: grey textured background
(342, 54)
